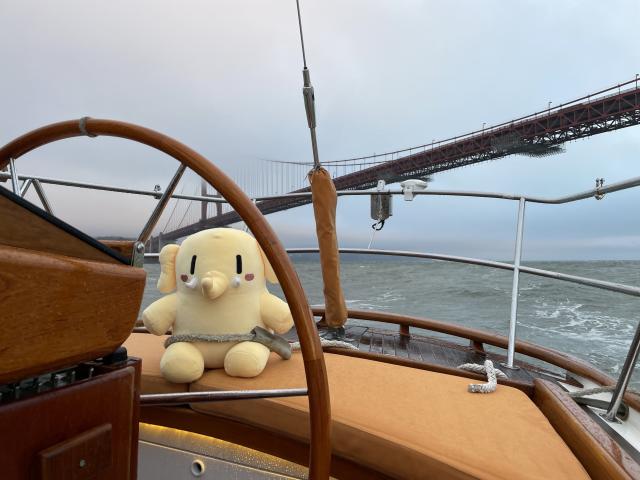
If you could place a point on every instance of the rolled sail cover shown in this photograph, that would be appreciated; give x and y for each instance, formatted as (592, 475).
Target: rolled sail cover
(323, 193)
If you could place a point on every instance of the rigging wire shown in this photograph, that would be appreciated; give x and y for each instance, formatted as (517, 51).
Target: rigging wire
(186, 211)
(309, 97)
(175, 205)
(334, 163)
(304, 57)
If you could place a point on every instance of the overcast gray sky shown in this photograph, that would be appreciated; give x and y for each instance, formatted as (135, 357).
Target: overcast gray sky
(224, 77)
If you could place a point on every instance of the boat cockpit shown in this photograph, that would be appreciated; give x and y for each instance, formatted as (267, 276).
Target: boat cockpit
(83, 395)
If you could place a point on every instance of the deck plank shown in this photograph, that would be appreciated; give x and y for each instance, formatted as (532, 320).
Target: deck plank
(427, 349)
(456, 357)
(428, 354)
(401, 344)
(414, 351)
(376, 342)
(439, 356)
(365, 341)
(431, 353)
(388, 345)
(469, 356)
(356, 333)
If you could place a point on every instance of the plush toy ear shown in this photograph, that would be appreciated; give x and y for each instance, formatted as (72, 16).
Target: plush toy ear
(269, 274)
(167, 280)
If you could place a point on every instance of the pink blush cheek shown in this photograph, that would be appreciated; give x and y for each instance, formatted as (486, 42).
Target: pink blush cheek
(249, 276)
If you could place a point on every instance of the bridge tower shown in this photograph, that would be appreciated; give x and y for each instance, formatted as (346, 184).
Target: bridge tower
(203, 205)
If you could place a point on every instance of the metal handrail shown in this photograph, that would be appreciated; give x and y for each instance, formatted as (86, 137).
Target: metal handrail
(601, 284)
(108, 188)
(187, 398)
(614, 187)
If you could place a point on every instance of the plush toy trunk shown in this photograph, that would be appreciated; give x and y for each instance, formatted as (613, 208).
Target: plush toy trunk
(64, 297)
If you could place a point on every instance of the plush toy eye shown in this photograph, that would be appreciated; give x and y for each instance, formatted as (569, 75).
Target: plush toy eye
(193, 264)
(238, 264)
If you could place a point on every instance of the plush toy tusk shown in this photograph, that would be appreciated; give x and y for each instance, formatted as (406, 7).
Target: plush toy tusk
(235, 281)
(214, 284)
(193, 283)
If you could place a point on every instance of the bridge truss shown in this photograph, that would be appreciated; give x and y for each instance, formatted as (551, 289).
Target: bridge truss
(537, 134)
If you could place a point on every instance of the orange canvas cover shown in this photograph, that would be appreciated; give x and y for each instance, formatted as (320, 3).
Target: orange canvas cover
(324, 196)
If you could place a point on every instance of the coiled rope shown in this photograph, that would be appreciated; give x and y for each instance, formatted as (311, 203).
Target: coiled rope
(489, 370)
(295, 346)
(593, 391)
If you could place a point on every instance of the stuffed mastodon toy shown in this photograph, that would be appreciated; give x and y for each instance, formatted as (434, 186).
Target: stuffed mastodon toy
(221, 314)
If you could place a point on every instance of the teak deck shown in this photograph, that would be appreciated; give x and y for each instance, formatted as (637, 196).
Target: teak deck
(430, 350)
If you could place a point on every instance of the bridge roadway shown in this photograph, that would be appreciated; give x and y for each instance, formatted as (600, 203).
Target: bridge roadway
(531, 134)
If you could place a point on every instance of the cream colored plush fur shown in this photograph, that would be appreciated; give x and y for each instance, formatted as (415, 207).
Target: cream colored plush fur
(215, 300)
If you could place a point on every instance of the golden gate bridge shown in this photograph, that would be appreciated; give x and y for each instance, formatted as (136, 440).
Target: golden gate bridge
(538, 134)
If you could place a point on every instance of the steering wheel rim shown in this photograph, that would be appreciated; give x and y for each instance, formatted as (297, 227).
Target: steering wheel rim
(314, 366)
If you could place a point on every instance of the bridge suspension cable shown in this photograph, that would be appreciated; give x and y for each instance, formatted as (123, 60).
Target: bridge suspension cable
(531, 135)
(395, 154)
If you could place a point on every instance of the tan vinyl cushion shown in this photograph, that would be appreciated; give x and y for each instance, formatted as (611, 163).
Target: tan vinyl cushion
(403, 422)
(150, 349)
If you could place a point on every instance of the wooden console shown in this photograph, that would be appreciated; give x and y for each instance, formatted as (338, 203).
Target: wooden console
(84, 430)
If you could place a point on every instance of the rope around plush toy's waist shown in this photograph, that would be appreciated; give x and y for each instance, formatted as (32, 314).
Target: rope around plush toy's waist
(273, 342)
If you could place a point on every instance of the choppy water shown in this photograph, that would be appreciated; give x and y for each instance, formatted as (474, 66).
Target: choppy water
(592, 324)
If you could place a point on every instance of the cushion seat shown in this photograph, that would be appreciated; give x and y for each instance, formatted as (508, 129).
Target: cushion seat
(400, 421)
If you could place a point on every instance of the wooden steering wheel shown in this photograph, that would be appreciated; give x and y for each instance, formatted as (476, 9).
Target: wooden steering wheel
(314, 366)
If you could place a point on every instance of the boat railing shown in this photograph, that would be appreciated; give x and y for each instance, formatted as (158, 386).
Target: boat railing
(598, 192)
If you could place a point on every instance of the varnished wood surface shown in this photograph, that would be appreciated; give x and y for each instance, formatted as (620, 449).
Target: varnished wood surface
(82, 457)
(601, 456)
(430, 350)
(482, 337)
(33, 425)
(58, 311)
(123, 247)
(317, 383)
(433, 354)
(136, 364)
(22, 228)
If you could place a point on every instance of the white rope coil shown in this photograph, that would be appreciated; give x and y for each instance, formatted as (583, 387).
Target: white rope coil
(481, 369)
(487, 369)
(327, 343)
(593, 391)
